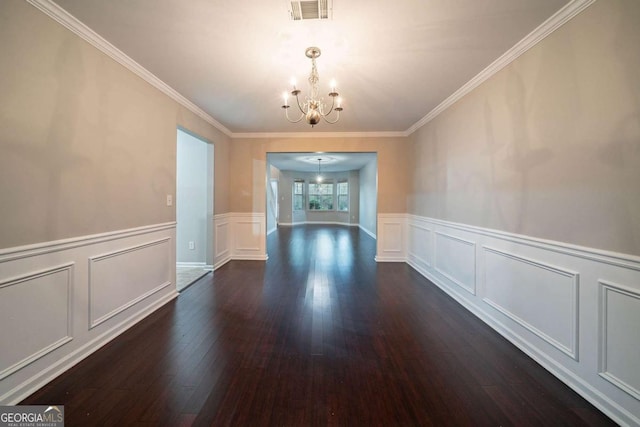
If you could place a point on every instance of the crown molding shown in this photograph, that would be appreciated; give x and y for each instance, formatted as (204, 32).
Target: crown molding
(558, 19)
(70, 22)
(571, 9)
(387, 134)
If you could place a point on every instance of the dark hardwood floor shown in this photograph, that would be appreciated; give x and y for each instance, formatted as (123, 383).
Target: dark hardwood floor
(320, 334)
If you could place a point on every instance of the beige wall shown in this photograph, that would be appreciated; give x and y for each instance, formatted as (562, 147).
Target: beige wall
(86, 146)
(248, 163)
(550, 146)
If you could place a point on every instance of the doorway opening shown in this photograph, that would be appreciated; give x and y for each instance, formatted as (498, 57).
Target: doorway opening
(194, 208)
(346, 194)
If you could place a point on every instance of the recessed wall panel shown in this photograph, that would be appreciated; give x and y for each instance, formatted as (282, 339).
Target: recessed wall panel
(35, 314)
(420, 244)
(248, 235)
(455, 259)
(620, 337)
(120, 279)
(538, 296)
(222, 239)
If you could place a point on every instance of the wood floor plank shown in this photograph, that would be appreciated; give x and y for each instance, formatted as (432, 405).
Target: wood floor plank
(319, 335)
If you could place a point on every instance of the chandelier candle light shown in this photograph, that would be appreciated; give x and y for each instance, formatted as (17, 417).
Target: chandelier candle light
(313, 108)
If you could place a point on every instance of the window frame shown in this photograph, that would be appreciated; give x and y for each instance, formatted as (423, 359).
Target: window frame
(312, 196)
(339, 196)
(300, 195)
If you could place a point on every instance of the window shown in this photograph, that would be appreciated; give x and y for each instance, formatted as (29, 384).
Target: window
(343, 196)
(298, 195)
(321, 196)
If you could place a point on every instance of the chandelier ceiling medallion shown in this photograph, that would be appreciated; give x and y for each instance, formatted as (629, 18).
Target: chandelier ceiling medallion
(313, 108)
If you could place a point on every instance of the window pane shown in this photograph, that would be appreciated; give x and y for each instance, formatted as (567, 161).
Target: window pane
(321, 196)
(298, 195)
(343, 203)
(343, 196)
(343, 188)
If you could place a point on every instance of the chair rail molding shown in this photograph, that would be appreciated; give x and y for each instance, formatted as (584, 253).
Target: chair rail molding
(80, 293)
(573, 309)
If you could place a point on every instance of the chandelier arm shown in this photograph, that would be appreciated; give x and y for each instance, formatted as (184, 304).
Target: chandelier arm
(300, 106)
(286, 114)
(333, 100)
(334, 121)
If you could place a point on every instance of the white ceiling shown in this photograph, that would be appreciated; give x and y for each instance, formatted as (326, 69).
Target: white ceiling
(394, 61)
(330, 162)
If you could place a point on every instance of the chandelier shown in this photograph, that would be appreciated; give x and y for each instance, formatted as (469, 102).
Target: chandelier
(313, 108)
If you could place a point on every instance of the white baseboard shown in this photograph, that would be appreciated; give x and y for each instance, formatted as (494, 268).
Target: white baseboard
(251, 257)
(291, 224)
(50, 373)
(221, 262)
(191, 264)
(370, 233)
(557, 311)
(99, 306)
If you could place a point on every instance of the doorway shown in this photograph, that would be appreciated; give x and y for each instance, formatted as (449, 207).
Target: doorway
(194, 208)
(332, 188)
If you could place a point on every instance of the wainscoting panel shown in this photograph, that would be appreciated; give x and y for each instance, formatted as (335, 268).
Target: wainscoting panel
(391, 242)
(60, 301)
(38, 307)
(222, 237)
(540, 297)
(420, 245)
(456, 260)
(120, 279)
(249, 236)
(574, 310)
(620, 336)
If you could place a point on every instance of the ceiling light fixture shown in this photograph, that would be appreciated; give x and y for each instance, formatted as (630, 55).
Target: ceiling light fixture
(313, 107)
(319, 177)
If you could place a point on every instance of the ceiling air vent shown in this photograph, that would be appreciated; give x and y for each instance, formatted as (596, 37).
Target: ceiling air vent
(310, 9)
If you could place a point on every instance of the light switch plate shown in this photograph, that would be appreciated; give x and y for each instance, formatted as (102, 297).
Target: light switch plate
(169, 200)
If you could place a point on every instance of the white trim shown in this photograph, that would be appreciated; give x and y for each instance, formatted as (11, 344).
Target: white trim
(471, 289)
(97, 258)
(225, 215)
(373, 235)
(383, 258)
(568, 377)
(584, 370)
(631, 262)
(604, 288)
(250, 257)
(558, 19)
(18, 252)
(70, 22)
(313, 134)
(69, 268)
(118, 310)
(572, 350)
(292, 224)
(23, 390)
(221, 262)
(192, 264)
